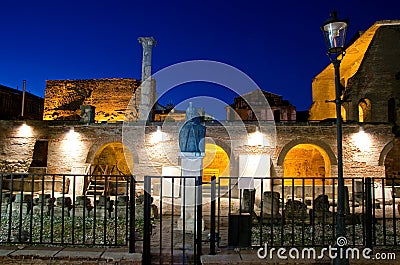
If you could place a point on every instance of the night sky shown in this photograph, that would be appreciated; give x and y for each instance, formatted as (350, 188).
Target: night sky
(276, 43)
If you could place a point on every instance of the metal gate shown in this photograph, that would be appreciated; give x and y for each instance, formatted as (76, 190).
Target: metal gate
(175, 237)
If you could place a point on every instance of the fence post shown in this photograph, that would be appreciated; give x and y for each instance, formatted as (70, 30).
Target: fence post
(368, 213)
(212, 216)
(199, 217)
(146, 221)
(132, 230)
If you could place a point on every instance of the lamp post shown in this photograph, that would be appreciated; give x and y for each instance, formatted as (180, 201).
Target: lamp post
(334, 31)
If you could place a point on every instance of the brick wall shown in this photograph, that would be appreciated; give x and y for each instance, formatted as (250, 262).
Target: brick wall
(110, 97)
(17, 142)
(68, 150)
(376, 78)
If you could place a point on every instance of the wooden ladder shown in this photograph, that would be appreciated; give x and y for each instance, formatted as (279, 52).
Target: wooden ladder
(98, 183)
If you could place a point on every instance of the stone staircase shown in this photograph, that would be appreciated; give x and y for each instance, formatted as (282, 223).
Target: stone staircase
(97, 186)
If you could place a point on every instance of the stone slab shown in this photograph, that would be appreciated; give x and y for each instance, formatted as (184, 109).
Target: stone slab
(7, 250)
(220, 259)
(77, 253)
(42, 252)
(121, 254)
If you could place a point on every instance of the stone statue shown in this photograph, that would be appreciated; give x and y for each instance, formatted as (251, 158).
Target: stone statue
(192, 133)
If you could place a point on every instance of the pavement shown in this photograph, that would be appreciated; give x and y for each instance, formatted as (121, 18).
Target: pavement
(234, 257)
(20, 254)
(42, 255)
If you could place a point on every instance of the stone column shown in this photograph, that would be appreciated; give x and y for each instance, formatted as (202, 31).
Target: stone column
(146, 86)
(191, 164)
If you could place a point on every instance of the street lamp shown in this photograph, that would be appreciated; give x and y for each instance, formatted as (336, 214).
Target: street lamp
(334, 31)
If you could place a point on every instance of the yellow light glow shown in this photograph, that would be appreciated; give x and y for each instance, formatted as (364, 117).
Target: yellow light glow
(306, 161)
(360, 113)
(362, 140)
(216, 162)
(114, 158)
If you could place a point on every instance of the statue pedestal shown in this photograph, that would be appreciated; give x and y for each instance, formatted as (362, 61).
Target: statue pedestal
(191, 164)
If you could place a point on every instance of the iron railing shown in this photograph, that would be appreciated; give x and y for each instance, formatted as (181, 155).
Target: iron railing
(228, 212)
(251, 212)
(301, 212)
(52, 209)
(176, 235)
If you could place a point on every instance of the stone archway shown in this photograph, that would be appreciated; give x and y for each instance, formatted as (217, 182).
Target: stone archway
(364, 110)
(113, 158)
(308, 161)
(216, 162)
(392, 167)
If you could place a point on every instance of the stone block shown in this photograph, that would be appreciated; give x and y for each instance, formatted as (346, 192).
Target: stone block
(271, 203)
(248, 199)
(122, 200)
(101, 211)
(295, 212)
(16, 208)
(120, 212)
(58, 211)
(81, 211)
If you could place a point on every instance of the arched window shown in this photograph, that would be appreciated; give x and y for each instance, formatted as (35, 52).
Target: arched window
(364, 110)
(343, 113)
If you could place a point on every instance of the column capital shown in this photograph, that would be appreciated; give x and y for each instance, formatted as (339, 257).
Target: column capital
(147, 41)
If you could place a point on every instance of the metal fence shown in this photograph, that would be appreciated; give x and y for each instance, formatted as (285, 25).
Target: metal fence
(250, 212)
(87, 210)
(177, 219)
(173, 224)
(301, 212)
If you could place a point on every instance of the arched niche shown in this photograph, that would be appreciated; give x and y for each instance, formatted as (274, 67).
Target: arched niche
(364, 110)
(112, 158)
(215, 163)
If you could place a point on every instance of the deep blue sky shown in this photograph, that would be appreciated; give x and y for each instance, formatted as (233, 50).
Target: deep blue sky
(277, 43)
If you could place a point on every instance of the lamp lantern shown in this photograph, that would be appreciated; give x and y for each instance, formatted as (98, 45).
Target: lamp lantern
(335, 30)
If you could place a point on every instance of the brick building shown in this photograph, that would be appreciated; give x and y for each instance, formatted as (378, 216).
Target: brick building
(11, 104)
(278, 109)
(370, 75)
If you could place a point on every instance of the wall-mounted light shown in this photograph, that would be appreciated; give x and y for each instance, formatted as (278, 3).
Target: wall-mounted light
(72, 142)
(71, 134)
(257, 138)
(157, 136)
(362, 140)
(25, 130)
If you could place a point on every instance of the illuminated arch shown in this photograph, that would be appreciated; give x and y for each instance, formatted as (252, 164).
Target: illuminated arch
(113, 156)
(364, 110)
(384, 153)
(327, 149)
(308, 160)
(216, 162)
(343, 113)
(390, 161)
